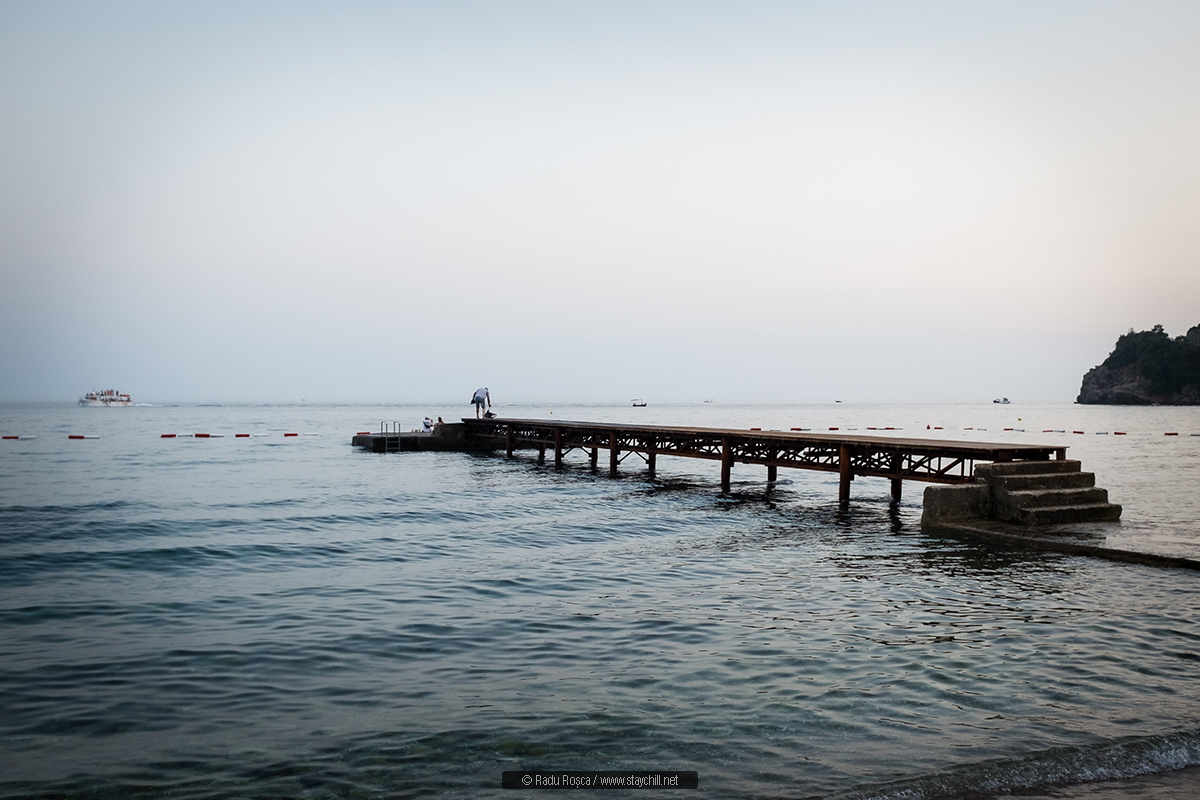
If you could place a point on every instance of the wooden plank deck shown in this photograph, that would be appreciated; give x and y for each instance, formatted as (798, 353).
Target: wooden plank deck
(895, 458)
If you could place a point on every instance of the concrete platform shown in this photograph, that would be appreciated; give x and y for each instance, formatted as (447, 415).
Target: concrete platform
(447, 437)
(1072, 539)
(1030, 493)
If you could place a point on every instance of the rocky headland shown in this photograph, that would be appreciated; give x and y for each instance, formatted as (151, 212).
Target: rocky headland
(1147, 368)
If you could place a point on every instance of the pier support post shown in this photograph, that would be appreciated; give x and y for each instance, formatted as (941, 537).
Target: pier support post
(612, 454)
(897, 483)
(558, 453)
(845, 474)
(651, 456)
(726, 465)
(772, 469)
(541, 453)
(508, 439)
(595, 456)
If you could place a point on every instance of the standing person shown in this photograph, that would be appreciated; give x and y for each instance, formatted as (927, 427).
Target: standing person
(480, 397)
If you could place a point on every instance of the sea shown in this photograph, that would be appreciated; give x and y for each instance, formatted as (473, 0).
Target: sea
(283, 615)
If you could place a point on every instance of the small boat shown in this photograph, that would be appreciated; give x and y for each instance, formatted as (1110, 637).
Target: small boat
(105, 399)
(639, 403)
(1001, 400)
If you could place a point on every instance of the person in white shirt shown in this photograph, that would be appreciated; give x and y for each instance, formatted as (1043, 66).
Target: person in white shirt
(480, 397)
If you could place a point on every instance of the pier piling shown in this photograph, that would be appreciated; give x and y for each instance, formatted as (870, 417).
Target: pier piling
(726, 465)
(845, 473)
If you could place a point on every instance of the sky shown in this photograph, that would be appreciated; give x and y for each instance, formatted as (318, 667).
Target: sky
(352, 201)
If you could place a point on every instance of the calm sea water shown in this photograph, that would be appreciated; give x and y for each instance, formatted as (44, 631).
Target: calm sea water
(290, 617)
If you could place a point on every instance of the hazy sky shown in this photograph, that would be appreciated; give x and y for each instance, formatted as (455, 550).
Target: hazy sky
(394, 201)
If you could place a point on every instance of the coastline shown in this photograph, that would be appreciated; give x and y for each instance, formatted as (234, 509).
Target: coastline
(1180, 784)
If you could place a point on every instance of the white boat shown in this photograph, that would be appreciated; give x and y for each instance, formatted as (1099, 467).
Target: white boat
(639, 402)
(1001, 400)
(106, 398)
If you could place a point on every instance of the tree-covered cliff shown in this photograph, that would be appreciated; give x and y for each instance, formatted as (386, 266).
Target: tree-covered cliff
(1147, 368)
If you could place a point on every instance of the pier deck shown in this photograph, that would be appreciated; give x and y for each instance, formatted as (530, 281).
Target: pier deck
(895, 458)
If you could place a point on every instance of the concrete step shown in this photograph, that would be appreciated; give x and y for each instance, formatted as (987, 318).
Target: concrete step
(985, 471)
(1060, 480)
(1040, 498)
(1057, 515)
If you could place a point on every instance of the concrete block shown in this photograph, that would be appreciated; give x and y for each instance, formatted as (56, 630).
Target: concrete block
(958, 502)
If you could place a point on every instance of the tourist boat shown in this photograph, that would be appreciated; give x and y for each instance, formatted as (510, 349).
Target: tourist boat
(638, 403)
(107, 398)
(1001, 400)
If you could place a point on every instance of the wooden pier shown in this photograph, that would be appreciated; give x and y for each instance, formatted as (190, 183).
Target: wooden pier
(849, 455)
